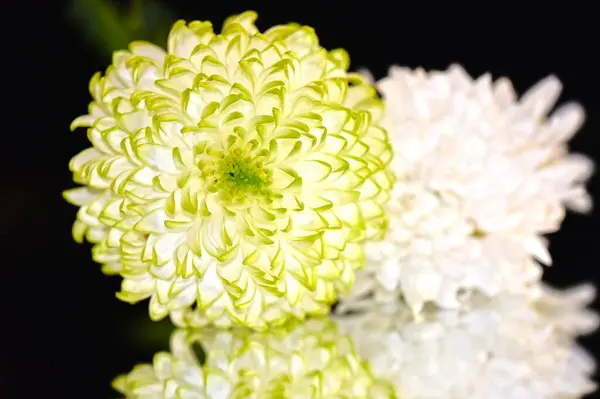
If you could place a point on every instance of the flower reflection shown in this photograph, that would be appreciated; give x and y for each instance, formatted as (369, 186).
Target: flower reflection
(299, 360)
(507, 347)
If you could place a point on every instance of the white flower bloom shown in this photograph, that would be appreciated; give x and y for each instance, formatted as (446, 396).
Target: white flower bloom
(481, 176)
(500, 348)
(308, 360)
(239, 173)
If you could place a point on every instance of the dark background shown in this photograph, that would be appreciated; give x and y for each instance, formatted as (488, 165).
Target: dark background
(67, 334)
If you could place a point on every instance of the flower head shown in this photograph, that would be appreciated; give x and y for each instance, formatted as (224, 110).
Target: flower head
(481, 176)
(509, 346)
(238, 172)
(299, 360)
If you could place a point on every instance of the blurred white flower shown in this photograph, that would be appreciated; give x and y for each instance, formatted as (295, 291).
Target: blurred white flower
(310, 360)
(498, 348)
(480, 177)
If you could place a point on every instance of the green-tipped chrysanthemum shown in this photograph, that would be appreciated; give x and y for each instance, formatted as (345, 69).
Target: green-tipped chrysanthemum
(237, 173)
(299, 360)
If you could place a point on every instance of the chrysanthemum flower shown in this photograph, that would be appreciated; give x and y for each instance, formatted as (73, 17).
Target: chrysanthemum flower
(298, 360)
(239, 172)
(498, 348)
(481, 176)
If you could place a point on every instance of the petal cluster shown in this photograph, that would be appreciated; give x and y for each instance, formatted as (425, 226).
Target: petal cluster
(233, 178)
(298, 360)
(481, 176)
(509, 346)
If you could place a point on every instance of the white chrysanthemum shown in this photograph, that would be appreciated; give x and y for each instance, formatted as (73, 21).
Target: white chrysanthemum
(300, 360)
(502, 347)
(238, 172)
(481, 176)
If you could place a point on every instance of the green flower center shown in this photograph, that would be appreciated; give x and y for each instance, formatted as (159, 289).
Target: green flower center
(237, 176)
(241, 173)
